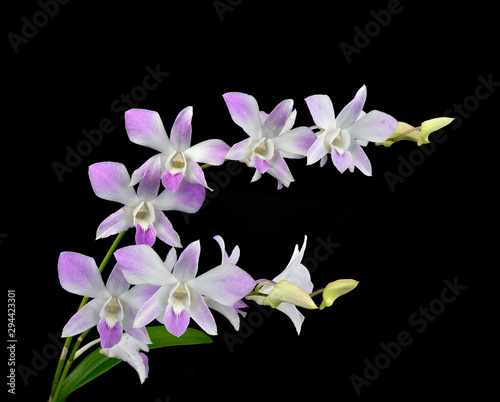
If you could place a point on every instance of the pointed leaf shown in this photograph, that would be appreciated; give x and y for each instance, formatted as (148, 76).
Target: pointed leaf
(95, 364)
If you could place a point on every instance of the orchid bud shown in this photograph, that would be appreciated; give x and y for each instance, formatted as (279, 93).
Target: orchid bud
(287, 292)
(335, 289)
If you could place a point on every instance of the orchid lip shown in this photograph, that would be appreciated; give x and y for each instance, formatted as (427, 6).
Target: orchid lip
(143, 214)
(176, 162)
(264, 148)
(112, 311)
(180, 299)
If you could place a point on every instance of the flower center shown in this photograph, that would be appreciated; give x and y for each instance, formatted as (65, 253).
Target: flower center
(143, 214)
(265, 149)
(338, 139)
(112, 312)
(180, 299)
(176, 162)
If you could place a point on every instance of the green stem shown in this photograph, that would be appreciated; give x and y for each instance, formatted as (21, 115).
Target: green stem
(60, 374)
(317, 292)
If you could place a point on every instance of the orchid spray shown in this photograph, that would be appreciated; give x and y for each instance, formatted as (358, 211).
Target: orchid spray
(145, 288)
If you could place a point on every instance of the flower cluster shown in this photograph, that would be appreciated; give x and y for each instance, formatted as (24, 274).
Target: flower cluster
(171, 291)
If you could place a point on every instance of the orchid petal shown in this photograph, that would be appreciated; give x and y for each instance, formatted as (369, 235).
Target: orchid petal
(260, 163)
(244, 111)
(280, 170)
(110, 336)
(318, 149)
(171, 181)
(227, 311)
(117, 222)
(187, 198)
(147, 236)
(293, 313)
(241, 150)
(165, 231)
(195, 175)
(176, 324)
(211, 151)
(341, 161)
(220, 242)
(128, 350)
(277, 119)
(171, 259)
(180, 136)
(79, 274)
(226, 284)
(140, 172)
(83, 319)
(359, 158)
(375, 126)
(144, 127)
(322, 112)
(296, 141)
(154, 307)
(116, 283)
(110, 181)
(150, 182)
(201, 314)
(141, 265)
(187, 265)
(141, 334)
(353, 109)
(138, 295)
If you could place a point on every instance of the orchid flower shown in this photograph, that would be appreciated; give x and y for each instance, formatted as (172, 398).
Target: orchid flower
(339, 135)
(179, 160)
(113, 304)
(110, 181)
(230, 312)
(181, 295)
(128, 350)
(296, 274)
(271, 137)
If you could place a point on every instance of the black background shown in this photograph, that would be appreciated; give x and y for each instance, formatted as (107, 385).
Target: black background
(400, 243)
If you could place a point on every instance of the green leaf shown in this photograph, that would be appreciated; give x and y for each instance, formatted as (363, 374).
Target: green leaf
(95, 364)
(162, 338)
(89, 368)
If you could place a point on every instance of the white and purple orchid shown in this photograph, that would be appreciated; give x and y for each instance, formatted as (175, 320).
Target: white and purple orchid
(179, 160)
(181, 294)
(142, 209)
(128, 350)
(295, 273)
(230, 312)
(113, 306)
(341, 136)
(271, 137)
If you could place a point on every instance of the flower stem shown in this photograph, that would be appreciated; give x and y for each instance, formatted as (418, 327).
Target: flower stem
(207, 165)
(316, 292)
(60, 374)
